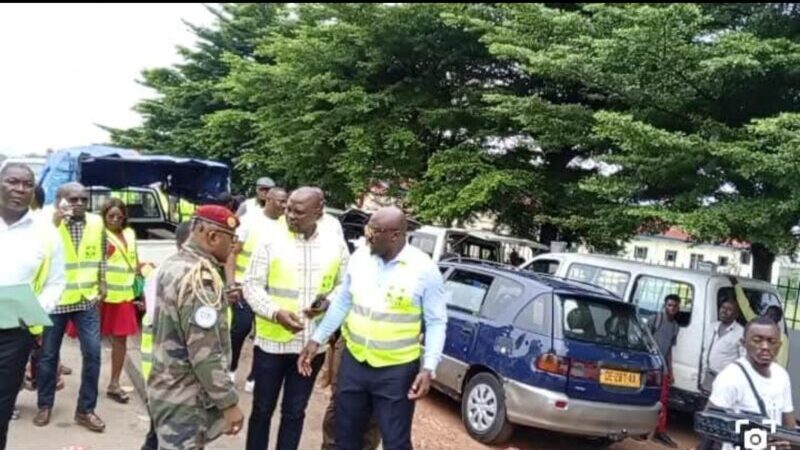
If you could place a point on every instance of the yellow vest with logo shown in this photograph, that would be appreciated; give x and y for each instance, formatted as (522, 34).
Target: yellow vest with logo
(121, 271)
(82, 267)
(283, 285)
(384, 324)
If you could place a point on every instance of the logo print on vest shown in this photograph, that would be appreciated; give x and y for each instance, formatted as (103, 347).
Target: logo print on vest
(397, 297)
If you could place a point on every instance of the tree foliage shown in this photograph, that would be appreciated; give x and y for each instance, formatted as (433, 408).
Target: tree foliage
(582, 122)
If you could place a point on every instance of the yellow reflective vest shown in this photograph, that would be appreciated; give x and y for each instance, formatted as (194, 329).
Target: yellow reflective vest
(283, 285)
(258, 228)
(82, 267)
(122, 264)
(384, 325)
(39, 281)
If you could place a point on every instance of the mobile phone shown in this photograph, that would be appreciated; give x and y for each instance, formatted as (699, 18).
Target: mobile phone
(64, 207)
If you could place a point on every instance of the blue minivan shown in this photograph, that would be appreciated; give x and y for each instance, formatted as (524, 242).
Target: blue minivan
(535, 350)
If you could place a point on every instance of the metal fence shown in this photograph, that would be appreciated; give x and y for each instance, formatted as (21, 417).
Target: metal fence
(789, 289)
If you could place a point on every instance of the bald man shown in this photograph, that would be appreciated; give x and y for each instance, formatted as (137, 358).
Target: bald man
(389, 290)
(287, 283)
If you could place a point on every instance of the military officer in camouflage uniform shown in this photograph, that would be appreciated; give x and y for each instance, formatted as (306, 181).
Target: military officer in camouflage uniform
(192, 400)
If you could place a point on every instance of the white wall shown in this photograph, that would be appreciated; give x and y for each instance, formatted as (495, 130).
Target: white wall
(658, 246)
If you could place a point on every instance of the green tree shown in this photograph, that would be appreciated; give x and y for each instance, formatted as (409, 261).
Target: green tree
(688, 102)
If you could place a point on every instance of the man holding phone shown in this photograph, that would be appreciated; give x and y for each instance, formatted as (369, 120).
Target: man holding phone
(289, 278)
(83, 237)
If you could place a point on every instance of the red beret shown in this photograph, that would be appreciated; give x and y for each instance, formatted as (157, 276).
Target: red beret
(218, 215)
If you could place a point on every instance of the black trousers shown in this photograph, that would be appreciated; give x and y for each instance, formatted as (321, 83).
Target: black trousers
(275, 373)
(363, 391)
(241, 325)
(15, 347)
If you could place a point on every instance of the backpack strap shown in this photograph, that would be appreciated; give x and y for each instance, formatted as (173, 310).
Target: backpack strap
(760, 401)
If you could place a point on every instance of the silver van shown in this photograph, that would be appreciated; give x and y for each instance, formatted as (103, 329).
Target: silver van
(646, 285)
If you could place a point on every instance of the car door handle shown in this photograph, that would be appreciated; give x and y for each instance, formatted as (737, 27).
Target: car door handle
(467, 329)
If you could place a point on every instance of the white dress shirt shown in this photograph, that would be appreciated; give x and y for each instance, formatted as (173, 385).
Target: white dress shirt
(725, 349)
(25, 245)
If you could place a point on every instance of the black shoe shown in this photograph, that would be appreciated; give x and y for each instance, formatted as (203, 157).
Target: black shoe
(664, 439)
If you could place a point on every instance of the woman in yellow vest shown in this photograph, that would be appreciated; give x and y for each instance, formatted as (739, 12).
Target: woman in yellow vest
(118, 315)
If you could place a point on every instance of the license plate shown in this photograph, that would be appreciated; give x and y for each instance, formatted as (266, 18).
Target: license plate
(620, 378)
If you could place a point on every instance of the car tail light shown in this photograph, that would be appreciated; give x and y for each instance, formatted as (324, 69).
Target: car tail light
(654, 378)
(584, 369)
(551, 363)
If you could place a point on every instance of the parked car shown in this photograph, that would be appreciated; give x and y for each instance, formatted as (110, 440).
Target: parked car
(645, 286)
(538, 351)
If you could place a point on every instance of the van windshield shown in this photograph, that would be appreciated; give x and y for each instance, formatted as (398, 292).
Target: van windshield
(603, 322)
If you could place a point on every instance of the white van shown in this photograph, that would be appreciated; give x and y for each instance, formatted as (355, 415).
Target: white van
(646, 285)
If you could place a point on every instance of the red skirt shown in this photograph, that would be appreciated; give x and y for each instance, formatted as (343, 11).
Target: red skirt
(118, 319)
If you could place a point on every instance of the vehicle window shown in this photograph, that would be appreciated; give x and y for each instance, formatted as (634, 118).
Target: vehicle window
(502, 294)
(548, 266)
(613, 280)
(760, 302)
(467, 290)
(424, 242)
(649, 293)
(602, 322)
(471, 247)
(533, 317)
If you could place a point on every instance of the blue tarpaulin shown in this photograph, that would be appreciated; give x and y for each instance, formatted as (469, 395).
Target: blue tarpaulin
(196, 180)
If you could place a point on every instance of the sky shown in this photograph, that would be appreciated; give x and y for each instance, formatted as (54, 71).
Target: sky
(65, 68)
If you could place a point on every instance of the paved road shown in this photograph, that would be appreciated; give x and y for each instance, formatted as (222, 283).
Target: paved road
(437, 424)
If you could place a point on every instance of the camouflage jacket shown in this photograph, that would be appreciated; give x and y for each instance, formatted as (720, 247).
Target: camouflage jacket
(191, 353)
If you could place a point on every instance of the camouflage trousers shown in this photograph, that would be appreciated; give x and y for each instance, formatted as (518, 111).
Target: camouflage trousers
(185, 428)
(372, 437)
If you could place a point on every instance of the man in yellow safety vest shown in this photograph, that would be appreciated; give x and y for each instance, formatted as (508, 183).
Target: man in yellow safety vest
(287, 282)
(253, 227)
(84, 240)
(389, 290)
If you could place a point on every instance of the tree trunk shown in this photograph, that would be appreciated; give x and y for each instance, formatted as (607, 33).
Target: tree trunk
(762, 262)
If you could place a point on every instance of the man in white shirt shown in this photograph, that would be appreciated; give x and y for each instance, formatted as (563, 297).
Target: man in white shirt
(724, 343)
(755, 383)
(263, 186)
(32, 255)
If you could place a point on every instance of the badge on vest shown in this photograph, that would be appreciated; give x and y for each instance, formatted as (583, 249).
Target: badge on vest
(206, 317)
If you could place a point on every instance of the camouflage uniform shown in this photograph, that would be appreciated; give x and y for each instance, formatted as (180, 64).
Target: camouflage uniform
(189, 386)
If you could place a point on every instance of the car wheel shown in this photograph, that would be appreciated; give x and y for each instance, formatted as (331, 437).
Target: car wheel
(483, 410)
